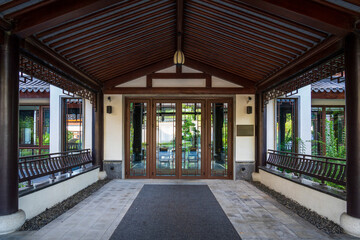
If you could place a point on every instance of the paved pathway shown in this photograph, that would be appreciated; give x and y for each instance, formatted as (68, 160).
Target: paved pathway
(253, 213)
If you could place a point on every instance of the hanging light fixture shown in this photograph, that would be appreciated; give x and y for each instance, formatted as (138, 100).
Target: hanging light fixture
(179, 58)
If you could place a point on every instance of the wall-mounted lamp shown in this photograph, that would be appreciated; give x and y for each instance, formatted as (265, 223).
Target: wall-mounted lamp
(249, 99)
(109, 108)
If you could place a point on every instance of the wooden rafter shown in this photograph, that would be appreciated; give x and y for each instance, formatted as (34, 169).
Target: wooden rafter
(35, 47)
(309, 13)
(331, 46)
(54, 14)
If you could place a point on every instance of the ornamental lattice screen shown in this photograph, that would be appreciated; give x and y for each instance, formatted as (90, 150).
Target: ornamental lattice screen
(333, 69)
(29, 69)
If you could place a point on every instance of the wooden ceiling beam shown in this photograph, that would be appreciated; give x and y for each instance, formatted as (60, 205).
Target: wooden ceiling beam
(36, 48)
(178, 75)
(308, 13)
(138, 73)
(178, 90)
(330, 46)
(55, 13)
(220, 73)
(179, 23)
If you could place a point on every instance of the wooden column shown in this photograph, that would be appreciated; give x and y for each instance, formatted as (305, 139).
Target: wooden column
(260, 132)
(9, 107)
(98, 131)
(352, 93)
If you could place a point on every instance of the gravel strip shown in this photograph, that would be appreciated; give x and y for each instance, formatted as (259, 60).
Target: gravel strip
(320, 222)
(50, 214)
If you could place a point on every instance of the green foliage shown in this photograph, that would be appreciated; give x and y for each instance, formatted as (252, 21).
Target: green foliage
(332, 146)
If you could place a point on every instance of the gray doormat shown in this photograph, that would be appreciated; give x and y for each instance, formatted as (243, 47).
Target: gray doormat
(175, 212)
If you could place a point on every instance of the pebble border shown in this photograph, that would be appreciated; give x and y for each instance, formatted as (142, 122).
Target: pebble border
(317, 220)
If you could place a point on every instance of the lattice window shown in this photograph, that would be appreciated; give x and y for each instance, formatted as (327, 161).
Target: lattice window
(30, 69)
(333, 69)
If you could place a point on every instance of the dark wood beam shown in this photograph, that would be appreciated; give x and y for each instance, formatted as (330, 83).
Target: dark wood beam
(34, 47)
(178, 90)
(55, 13)
(179, 23)
(327, 95)
(330, 46)
(220, 73)
(308, 13)
(178, 75)
(138, 73)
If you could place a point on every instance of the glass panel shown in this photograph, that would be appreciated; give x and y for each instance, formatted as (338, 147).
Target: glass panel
(316, 131)
(335, 132)
(28, 152)
(138, 143)
(28, 125)
(73, 124)
(46, 127)
(286, 125)
(165, 139)
(191, 139)
(45, 151)
(219, 139)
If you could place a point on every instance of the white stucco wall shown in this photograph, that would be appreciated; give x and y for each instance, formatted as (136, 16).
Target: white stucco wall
(245, 146)
(113, 128)
(37, 202)
(270, 124)
(304, 116)
(329, 102)
(56, 94)
(324, 204)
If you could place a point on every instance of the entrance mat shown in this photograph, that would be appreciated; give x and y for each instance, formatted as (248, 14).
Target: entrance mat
(175, 212)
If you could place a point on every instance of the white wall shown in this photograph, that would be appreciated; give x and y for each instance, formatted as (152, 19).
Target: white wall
(330, 102)
(245, 146)
(304, 119)
(37, 202)
(56, 95)
(324, 204)
(55, 119)
(270, 125)
(113, 128)
(304, 113)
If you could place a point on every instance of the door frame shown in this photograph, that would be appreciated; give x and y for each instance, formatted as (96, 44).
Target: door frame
(205, 128)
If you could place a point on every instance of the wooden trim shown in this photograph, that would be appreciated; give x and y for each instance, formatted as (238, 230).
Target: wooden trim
(32, 94)
(151, 157)
(327, 95)
(179, 90)
(178, 75)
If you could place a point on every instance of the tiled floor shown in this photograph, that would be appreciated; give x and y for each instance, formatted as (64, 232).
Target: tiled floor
(253, 213)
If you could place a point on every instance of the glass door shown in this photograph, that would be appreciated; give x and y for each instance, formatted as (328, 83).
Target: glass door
(219, 139)
(191, 139)
(137, 139)
(165, 139)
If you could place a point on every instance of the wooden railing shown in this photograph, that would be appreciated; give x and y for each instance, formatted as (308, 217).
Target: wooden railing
(323, 168)
(32, 167)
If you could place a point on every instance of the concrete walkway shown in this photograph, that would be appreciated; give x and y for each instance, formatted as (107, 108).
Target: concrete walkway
(253, 213)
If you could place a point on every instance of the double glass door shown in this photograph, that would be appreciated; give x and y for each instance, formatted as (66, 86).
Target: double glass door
(178, 138)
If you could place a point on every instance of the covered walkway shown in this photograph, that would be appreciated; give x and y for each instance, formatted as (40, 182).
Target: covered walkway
(253, 213)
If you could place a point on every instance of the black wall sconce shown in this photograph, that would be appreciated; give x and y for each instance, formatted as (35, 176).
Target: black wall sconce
(249, 109)
(109, 108)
